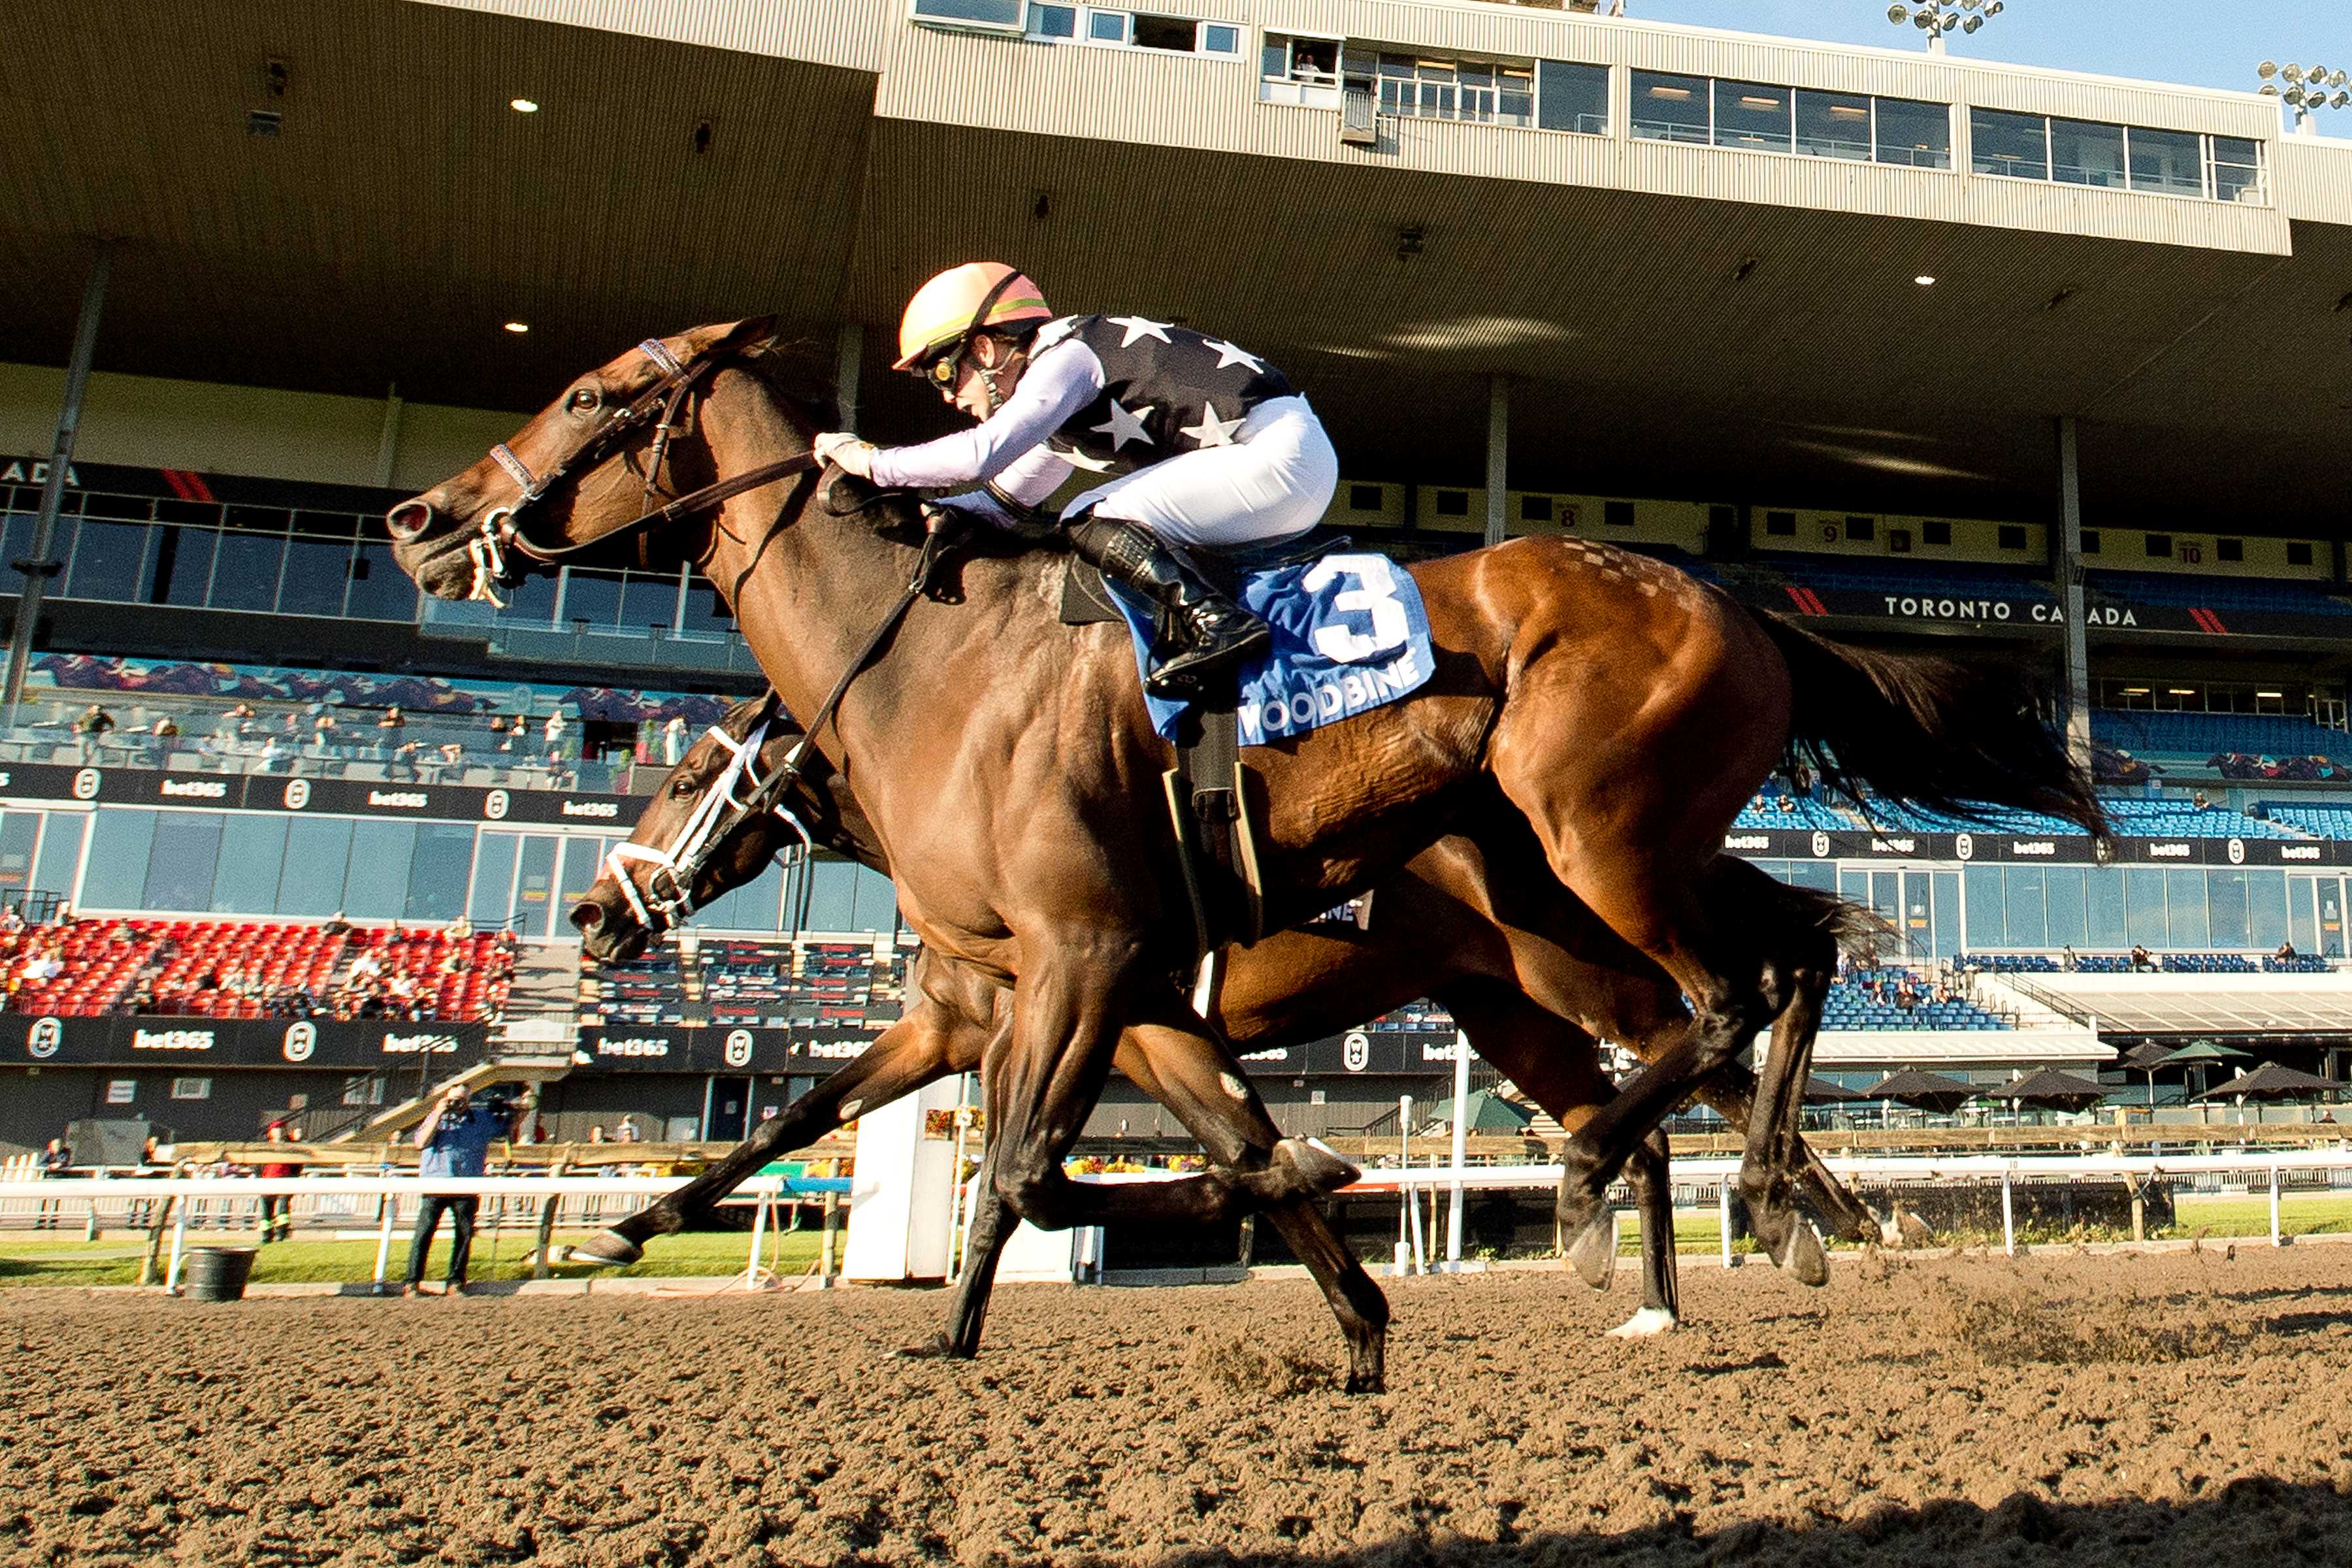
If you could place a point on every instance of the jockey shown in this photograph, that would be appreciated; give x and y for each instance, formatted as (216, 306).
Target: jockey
(1200, 444)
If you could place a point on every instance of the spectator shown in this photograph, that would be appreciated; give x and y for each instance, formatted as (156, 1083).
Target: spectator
(2285, 951)
(388, 728)
(453, 1144)
(12, 921)
(627, 1131)
(517, 735)
(2141, 958)
(2066, 959)
(2197, 800)
(404, 759)
(554, 733)
(91, 728)
(167, 740)
(323, 734)
(276, 1212)
(273, 751)
(596, 1133)
(336, 925)
(674, 741)
(367, 966)
(57, 1163)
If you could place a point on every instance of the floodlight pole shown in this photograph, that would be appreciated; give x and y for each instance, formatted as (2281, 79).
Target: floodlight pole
(2069, 555)
(37, 566)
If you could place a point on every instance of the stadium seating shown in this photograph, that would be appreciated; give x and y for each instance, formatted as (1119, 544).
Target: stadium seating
(2182, 819)
(2318, 821)
(2200, 735)
(1851, 1005)
(2121, 964)
(1791, 814)
(2214, 592)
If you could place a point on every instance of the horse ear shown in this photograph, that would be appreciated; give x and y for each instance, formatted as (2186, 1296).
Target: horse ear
(731, 334)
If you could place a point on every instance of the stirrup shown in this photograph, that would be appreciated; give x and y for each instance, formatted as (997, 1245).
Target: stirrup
(1190, 672)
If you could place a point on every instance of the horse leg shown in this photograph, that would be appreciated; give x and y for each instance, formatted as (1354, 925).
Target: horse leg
(1731, 1095)
(1653, 1200)
(1767, 1165)
(928, 1043)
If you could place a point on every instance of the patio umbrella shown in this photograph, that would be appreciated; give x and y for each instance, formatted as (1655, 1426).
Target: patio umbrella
(1820, 1090)
(2202, 1054)
(1924, 1090)
(2145, 1057)
(2050, 1086)
(2272, 1081)
(1489, 1112)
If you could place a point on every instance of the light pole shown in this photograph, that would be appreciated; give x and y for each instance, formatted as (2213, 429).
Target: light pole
(1937, 18)
(2303, 89)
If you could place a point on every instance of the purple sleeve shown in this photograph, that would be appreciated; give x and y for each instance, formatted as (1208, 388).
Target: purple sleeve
(1058, 384)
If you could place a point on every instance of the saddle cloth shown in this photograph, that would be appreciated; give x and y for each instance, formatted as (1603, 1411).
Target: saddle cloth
(1349, 635)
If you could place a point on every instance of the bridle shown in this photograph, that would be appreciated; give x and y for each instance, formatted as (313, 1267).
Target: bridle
(501, 529)
(667, 899)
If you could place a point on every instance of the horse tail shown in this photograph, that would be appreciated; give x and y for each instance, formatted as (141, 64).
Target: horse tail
(1923, 731)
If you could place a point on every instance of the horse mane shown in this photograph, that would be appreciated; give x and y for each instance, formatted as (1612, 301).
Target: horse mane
(793, 369)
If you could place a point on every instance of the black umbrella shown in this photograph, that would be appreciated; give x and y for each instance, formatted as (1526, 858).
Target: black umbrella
(1924, 1090)
(2050, 1086)
(2272, 1081)
(1820, 1090)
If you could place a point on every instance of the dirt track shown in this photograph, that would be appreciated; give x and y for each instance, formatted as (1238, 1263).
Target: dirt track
(2187, 1410)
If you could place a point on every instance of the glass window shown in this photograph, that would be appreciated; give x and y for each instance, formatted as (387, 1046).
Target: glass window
(60, 855)
(2225, 898)
(1179, 34)
(381, 591)
(2085, 154)
(1311, 60)
(318, 851)
(180, 865)
(317, 570)
(2062, 895)
(2017, 145)
(833, 896)
(246, 576)
(376, 886)
(2144, 919)
(705, 611)
(2103, 927)
(1986, 912)
(982, 12)
(183, 565)
(2028, 920)
(1834, 125)
(1918, 134)
(1219, 38)
(752, 907)
(118, 859)
(1572, 97)
(2265, 909)
(2170, 163)
(2184, 892)
(877, 902)
(106, 561)
(591, 596)
(534, 880)
(437, 872)
(1947, 913)
(1106, 26)
(648, 600)
(493, 880)
(1748, 114)
(580, 863)
(1669, 108)
(252, 854)
(1053, 21)
(2237, 172)
(19, 829)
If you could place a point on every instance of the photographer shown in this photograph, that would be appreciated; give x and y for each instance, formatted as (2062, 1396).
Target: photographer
(454, 1142)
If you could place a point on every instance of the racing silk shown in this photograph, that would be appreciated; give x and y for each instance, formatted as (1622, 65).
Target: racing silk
(1107, 393)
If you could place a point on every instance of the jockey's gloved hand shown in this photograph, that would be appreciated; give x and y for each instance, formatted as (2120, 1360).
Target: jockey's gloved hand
(845, 451)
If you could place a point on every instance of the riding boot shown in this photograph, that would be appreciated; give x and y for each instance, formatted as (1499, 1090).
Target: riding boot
(1200, 637)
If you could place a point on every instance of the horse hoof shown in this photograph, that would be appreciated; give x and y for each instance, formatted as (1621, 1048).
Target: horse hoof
(1803, 1255)
(1649, 1320)
(1316, 1167)
(1367, 1383)
(1593, 1254)
(610, 1248)
(937, 1348)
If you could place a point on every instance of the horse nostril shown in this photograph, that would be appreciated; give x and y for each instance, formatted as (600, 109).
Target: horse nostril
(587, 916)
(409, 520)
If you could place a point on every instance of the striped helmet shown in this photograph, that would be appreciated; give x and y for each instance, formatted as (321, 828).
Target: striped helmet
(946, 310)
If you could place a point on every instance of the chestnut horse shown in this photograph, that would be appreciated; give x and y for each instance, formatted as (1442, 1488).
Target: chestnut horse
(1014, 776)
(1434, 934)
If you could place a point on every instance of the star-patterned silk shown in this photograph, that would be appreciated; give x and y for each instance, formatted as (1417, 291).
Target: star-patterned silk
(1166, 390)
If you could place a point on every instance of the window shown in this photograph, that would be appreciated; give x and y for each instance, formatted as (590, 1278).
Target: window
(181, 862)
(1781, 524)
(192, 1089)
(1450, 90)
(1918, 134)
(1453, 503)
(1006, 14)
(1221, 38)
(1898, 540)
(2017, 145)
(1750, 115)
(1178, 33)
(2170, 162)
(1834, 125)
(2083, 153)
(1935, 533)
(1535, 508)
(1670, 108)
(2157, 546)
(119, 1090)
(1106, 26)
(1365, 498)
(2090, 541)
(367, 1089)
(1617, 513)
(1052, 21)
(2228, 549)
(2011, 536)
(1863, 530)
(1572, 97)
(1313, 61)
(2237, 170)
(2298, 552)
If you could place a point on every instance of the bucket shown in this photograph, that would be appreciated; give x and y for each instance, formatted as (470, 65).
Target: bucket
(218, 1273)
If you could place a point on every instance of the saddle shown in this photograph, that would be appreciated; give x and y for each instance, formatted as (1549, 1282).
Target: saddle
(1216, 803)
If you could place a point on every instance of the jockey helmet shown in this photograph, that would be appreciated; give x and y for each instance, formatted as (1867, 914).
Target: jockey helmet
(946, 311)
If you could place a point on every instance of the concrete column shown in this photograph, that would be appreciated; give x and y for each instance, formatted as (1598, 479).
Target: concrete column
(387, 446)
(1498, 451)
(849, 361)
(37, 566)
(2069, 563)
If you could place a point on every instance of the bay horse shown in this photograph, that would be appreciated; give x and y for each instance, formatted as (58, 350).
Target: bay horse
(1009, 766)
(1433, 932)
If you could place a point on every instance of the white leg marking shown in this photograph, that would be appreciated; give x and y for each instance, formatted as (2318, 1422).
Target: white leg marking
(1233, 1086)
(850, 1108)
(1649, 1320)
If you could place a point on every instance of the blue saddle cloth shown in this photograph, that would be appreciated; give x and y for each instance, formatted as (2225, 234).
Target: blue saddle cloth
(1349, 634)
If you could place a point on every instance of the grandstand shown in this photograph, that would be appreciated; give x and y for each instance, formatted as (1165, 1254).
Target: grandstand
(222, 577)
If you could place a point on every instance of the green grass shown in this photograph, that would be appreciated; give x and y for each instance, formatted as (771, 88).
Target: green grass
(2316, 1214)
(63, 1259)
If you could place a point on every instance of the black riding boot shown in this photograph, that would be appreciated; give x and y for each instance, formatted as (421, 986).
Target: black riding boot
(1202, 636)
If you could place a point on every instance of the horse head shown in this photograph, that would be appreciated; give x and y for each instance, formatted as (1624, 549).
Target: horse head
(605, 451)
(637, 893)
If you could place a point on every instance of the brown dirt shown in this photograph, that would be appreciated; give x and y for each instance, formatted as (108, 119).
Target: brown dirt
(2187, 1410)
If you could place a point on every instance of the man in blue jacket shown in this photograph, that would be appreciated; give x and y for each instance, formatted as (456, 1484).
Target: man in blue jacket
(454, 1142)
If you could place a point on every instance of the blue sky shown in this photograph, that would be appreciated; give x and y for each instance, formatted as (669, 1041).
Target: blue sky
(2203, 43)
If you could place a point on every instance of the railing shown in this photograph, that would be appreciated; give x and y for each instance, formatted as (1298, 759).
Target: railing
(478, 762)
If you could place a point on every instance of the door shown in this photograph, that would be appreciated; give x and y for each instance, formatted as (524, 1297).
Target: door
(535, 884)
(730, 1098)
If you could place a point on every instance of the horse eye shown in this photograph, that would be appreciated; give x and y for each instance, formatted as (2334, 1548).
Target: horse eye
(585, 400)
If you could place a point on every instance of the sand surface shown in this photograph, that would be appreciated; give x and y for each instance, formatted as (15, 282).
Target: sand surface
(2188, 1409)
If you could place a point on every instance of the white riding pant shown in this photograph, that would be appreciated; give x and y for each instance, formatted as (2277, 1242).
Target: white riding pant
(1274, 481)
